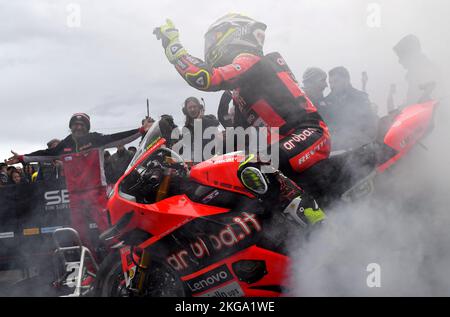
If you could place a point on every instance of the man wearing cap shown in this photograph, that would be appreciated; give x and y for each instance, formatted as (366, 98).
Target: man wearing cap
(314, 84)
(80, 140)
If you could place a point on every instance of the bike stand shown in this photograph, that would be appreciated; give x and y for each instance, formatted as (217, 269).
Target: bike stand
(77, 268)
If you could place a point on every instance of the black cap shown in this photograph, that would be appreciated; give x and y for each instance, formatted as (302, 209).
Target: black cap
(81, 118)
(407, 45)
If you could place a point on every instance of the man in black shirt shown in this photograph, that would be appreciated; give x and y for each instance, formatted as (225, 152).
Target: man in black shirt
(350, 117)
(119, 162)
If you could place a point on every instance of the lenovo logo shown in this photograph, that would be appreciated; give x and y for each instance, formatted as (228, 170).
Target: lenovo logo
(210, 279)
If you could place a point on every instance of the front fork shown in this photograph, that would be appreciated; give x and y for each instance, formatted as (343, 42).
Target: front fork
(142, 271)
(135, 267)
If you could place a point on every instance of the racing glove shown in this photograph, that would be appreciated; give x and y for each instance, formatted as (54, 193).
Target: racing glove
(170, 39)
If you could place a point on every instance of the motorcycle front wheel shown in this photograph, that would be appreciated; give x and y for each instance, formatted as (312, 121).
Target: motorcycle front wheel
(161, 281)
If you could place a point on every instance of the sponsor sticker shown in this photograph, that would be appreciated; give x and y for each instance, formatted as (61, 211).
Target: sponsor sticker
(211, 196)
(50, 229)
(182, 65)
(243, 226)
(130, 275)
(30, 231)
(210, 279)
(6, 235)
(230, 290)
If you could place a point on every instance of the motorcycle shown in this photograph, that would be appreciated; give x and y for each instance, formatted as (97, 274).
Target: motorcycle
(176, 231)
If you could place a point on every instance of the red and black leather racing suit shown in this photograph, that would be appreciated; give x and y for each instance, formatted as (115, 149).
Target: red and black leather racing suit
(266, 94)
(83, 169)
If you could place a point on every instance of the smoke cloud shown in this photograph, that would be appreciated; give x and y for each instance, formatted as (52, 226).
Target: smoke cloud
(403, 227)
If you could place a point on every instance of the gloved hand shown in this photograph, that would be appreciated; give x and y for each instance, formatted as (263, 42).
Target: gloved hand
(170, 39)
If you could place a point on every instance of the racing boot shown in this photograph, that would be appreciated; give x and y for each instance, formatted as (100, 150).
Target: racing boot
(279, 192)
(297, 204)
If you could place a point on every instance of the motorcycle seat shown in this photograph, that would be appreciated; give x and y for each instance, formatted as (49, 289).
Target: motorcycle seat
(330, 178)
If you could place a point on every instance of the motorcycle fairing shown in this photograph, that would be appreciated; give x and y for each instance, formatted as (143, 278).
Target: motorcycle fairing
(221, 172)
(206, 240)
(411, 125)
(208, 282)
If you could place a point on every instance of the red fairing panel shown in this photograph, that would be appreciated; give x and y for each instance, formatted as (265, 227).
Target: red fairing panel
(163, 216)
(221, 172)
(277, 267)
(409, 127)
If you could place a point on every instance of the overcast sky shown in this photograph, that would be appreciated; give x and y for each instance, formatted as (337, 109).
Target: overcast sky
(109, 65)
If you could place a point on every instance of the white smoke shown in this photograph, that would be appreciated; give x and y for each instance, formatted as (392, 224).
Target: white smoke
(403, 227)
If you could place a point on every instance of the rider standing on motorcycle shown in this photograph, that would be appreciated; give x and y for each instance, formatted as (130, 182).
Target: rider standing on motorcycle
(265, 94)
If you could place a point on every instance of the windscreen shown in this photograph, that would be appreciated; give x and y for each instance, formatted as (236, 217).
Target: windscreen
(151, 137)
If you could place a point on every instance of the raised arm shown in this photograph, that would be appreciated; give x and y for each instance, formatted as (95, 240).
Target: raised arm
(195, 71)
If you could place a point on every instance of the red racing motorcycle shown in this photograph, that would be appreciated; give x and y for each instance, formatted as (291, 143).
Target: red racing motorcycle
(198, 232)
